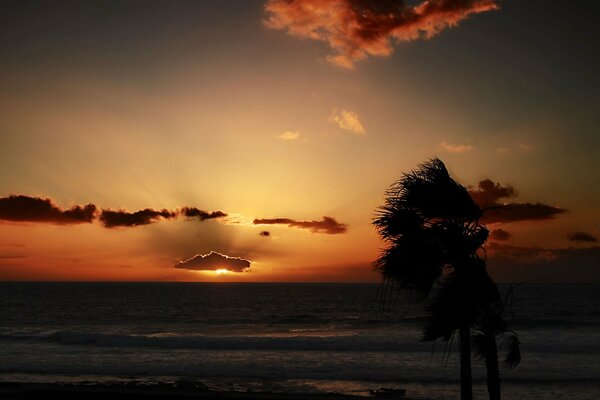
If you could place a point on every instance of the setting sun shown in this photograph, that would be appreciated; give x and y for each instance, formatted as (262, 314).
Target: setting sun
(221, 271)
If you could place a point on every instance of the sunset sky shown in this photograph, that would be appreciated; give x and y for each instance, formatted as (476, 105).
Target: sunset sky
(267, 132)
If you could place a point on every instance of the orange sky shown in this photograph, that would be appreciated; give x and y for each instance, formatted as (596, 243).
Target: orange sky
(247, 109)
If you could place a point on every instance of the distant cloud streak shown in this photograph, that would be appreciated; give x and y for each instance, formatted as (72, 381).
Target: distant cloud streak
(455, 148)
(348, 121)
(289, 135)
(214, 261)
(582, 237)
(21, 208)
(327, 225)
(358, 29)
(517, 263)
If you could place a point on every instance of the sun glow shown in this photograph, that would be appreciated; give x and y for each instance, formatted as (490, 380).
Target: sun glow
(221, 271)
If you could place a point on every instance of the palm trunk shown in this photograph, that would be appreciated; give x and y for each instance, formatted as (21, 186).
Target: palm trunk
(493, 373)
(466, 386)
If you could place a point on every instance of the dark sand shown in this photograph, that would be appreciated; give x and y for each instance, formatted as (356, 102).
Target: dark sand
(124, 391)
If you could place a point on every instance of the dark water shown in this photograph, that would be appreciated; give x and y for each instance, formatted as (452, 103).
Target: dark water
(283, 337)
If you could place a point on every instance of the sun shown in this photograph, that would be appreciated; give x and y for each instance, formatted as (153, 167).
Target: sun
(221, 271)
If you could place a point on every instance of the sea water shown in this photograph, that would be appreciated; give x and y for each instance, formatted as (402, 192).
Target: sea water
(299, 338)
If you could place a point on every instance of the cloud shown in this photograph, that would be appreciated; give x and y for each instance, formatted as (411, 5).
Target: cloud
(357, 29)
(515, 212)
(500, 235)
(214, 261)
(455, 148)
(11, 256)
(20, 208)
(488, 194)
(121, 218)
(289, 135)
(582, 237)
(348, 121)
(265, 233)
(326, 225)
(509, 263)
(193, 212)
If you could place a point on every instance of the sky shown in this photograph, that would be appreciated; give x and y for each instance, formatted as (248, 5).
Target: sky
(254, 140)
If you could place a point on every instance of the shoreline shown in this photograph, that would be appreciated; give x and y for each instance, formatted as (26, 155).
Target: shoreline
(133, 391)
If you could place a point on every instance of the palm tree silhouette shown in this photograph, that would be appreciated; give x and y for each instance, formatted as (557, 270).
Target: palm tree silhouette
(431, 225)
(491, 333)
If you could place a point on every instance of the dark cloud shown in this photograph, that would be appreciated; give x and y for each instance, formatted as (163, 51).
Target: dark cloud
(515, 212)
(20, 208)
(265, 233)
(489, 195)
(326, 225)
(214, 261)
(582, 237)
(193, 212)
(500, 235)
(120, 218)
(357, 29)
(508, 263)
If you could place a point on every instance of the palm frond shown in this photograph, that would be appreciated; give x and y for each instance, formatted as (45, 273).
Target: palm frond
(513, 353)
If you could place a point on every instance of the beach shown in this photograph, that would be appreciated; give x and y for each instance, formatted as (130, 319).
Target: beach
(279, 340)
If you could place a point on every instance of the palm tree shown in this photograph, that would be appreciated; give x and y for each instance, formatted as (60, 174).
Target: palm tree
(490, 334)
(432, 229)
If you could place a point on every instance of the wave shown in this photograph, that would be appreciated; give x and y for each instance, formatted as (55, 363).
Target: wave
(291, 343)
(558, 342)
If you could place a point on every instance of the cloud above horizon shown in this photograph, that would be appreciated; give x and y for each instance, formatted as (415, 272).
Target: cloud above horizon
(214, 261)
(22, 208)
(500, 235)
(122, 218)
(455, 148)
(348, 121)
(327, 225)
(582, 237)
(488, 196)
(510, 263)
(289, 135)
(193, 212)
(357, 29)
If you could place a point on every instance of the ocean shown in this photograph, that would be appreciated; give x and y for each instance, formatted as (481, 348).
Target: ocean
(292, 337)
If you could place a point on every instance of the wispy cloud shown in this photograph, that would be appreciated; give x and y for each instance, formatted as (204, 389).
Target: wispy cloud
(326, 225)
(289, 135)
(347, 120)
(215, 261)
(357, 29)
(455, 148)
